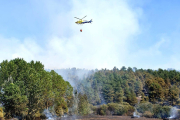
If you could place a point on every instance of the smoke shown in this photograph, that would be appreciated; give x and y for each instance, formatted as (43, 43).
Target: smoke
(173, 113)
(102, 99)
(102, 44)
(48, 114)
(135, 114)
(73, 75)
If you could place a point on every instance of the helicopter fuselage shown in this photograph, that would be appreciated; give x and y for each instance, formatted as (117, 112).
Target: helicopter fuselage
(83, 22)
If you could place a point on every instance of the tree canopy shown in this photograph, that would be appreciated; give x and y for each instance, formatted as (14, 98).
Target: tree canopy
(27, 88)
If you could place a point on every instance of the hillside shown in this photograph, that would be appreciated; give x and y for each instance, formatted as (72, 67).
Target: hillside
(125, 84)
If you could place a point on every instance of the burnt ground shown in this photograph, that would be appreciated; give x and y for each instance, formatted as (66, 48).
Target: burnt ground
(96, 117)
(106, 118)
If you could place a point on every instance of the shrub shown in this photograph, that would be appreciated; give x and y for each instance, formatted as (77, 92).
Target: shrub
(59, 111)
(147, 106)
(126, 103)
(103, 108)
(94, 109)
(161, 111)
(120, 109)
(102, 112)
(108, 112)
(123, 109)
(130, 109)
(113, 108)
(148, 114)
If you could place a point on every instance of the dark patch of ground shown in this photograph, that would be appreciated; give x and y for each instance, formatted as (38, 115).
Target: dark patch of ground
(106, 118)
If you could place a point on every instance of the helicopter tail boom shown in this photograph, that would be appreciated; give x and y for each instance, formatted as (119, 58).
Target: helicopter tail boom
(90, 21)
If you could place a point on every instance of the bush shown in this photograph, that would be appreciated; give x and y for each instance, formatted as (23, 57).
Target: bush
(130, 109)
(94, 109)
(126, 103)
(120, 109)
(114, 108)
(102, 110)
(108, 112)
(161, 111)
(123, 109)
(148, 114)
(147, 106)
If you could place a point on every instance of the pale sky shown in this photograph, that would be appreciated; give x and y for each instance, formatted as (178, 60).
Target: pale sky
(123, 33)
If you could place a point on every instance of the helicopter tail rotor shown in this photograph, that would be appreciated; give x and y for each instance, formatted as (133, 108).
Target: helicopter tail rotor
(91, 21)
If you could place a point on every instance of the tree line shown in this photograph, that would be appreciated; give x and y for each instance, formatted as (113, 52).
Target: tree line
(126, 84)
(131, 86)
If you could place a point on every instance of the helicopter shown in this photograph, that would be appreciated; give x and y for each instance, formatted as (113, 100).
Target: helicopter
(82, 21)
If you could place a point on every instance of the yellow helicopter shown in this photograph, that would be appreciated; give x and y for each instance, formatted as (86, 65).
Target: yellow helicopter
(82, 21)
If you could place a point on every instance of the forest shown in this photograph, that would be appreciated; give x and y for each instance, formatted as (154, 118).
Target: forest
(27, 89)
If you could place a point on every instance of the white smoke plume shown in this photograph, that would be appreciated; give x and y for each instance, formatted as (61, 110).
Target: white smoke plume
(102, 44)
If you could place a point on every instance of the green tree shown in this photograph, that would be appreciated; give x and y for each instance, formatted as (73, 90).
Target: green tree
(108, 92)
(13, 101)
(31, 89)
(123, 68)
(119, 94)
(83, 105)
(173, 94)
(47, 95)
(33, 92)
(155, 92)
(130, 96)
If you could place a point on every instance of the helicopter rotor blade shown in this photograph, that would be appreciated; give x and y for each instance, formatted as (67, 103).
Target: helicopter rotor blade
(83, 17)
(77, 18)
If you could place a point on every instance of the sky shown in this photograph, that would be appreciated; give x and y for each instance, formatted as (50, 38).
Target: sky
(142, 34)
